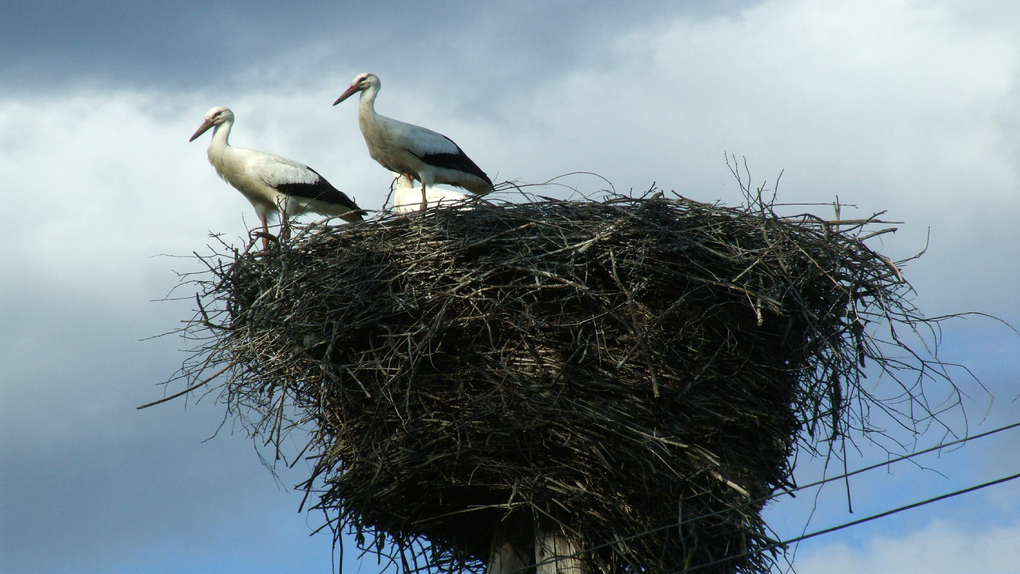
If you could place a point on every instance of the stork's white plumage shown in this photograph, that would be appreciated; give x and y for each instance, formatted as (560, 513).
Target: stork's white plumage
(420, 153)
(271, 182)
(407, 197)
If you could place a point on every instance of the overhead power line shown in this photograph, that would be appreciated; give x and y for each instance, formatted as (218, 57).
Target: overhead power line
(857, 522)
(811, 485)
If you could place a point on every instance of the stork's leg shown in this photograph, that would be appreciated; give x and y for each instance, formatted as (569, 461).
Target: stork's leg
(424, 200)
(265, 233)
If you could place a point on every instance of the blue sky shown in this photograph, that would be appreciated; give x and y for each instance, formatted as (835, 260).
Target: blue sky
(906, 106)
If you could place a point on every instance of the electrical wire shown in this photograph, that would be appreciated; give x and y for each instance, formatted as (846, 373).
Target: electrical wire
(799, 488)
(902, 458)
(810, 485)
(854, 523)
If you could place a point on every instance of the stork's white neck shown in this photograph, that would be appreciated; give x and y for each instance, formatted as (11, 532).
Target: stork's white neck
(366, 102)
(368, 119)
(219, 143)
(219, 151)
(221, 133)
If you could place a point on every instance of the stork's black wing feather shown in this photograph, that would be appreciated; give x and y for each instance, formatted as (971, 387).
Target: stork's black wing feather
(458, 160)
(320, 189)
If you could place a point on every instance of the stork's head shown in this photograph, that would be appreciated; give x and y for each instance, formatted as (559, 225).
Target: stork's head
(214, 117)
(361, 82)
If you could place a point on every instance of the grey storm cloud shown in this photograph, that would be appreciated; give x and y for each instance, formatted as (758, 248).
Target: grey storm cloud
(182, 45)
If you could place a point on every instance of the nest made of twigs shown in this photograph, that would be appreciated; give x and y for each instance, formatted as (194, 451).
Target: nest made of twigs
(635, 371)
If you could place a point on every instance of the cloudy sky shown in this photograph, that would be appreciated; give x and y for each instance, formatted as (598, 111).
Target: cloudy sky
(907, 106)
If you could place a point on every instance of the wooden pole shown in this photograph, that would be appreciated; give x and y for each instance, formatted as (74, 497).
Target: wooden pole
(511, 551)
(556, 553)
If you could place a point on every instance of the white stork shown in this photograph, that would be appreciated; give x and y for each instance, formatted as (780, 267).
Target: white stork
(407, 198)
(411, 150)
(271, 182)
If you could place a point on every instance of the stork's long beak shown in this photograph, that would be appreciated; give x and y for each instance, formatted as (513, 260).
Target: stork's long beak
(350, 91)
(201, 129)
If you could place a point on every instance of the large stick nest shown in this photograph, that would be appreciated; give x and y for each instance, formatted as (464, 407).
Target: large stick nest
(606, 368)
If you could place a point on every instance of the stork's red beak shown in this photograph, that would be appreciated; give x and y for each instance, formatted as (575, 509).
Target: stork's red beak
(201, 129)
(350, 91)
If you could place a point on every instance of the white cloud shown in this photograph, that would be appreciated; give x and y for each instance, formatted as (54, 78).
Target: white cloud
(847, 93)
(101, 183)
(939, 548)
(897, 106)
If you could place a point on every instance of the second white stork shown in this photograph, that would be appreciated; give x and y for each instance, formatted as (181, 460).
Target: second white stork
(417, 152)
(270, 182)
(407, 197)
